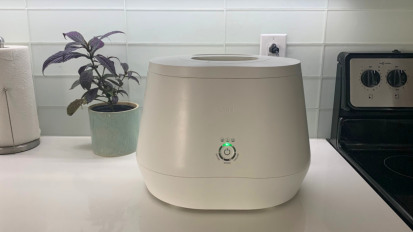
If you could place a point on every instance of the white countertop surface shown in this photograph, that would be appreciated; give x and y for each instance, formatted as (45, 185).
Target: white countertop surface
(61, 186)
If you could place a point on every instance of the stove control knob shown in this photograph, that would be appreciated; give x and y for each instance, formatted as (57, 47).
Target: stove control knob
(370, 78)
(397, 78)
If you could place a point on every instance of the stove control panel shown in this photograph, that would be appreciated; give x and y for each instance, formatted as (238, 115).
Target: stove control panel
(378, 82)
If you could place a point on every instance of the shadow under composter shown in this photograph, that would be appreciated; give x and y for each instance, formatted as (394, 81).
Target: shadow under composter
(156, 215)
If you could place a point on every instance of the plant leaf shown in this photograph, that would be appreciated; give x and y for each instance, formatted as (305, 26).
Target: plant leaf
(123, 92)
(110, 33)
(114, 57)
(86, 78)
(76, 37)
(108, 64)
(108, 84)
(55, 58)
(83, 68)
(136, 73)
(76, 83)
(91, 95)
(70, 44)
(60, 57)
(115, 99)
(73, 55)
(71, 47)
(114, 82)
(95, 44)
(135, 79)
(132, 77)
(120, 81)
(125, 66)
(72, 107)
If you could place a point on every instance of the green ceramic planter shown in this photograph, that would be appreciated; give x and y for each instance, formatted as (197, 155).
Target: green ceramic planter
(114, 133)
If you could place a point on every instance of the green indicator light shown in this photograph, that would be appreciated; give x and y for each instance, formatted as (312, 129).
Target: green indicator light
(227, 144)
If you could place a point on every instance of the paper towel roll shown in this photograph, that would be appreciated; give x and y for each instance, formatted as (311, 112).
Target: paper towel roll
(16, 76)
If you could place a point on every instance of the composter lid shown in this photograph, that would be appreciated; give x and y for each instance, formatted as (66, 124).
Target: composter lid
(224, 66)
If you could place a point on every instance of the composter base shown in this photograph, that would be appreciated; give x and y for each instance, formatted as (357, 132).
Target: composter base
(223, 193)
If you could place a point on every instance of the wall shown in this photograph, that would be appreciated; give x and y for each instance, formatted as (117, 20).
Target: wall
(317, 31)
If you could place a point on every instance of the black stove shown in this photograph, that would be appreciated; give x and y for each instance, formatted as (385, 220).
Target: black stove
(372, 125)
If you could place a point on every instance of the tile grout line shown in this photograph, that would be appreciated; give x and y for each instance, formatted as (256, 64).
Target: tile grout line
(316, 110)
(219, 44)
(322, 69)
(30, 49)
(204, 9)
(126, 42)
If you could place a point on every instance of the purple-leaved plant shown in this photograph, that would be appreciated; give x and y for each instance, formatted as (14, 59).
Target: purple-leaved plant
(100, 86)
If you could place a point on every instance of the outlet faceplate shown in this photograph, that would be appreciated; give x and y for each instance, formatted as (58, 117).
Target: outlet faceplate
(268, 39)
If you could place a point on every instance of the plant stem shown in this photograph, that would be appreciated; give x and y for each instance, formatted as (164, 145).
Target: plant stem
(110, 103)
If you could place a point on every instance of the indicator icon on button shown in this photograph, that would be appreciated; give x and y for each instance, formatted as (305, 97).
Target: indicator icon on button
(227, 152)
(232, 139)
(370, 96)
(227, 139)
(222, 139)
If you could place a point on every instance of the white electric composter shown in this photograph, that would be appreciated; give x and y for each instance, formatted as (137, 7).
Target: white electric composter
(224, 131)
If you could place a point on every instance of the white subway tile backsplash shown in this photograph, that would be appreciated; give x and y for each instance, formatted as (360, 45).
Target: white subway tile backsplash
(55, 121)
(311, 91)
(327, 93)
(5, 4)
(175, 4)
(42, 52)
(137, 92)
(75, 4)
(139, 55)
(176, 26)
(300, 26)
(324, 123)
(164, 28)
(13, 26)
(331, 52)
(310, 57)
(371, 4)
(55, 91)
(242, 49)
(277, 4)
(48, 25)
(312, 121)
(369, 26)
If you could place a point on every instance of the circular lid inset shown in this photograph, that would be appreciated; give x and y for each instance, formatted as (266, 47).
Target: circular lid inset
(224, 66)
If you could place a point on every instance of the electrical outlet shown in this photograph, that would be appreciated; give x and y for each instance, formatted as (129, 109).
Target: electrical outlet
(268, 39)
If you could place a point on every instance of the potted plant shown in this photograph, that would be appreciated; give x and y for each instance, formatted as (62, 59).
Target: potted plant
(113, 124)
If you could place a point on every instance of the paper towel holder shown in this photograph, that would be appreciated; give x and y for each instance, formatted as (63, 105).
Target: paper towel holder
(19, 147)
(1, 42)
(16, 148)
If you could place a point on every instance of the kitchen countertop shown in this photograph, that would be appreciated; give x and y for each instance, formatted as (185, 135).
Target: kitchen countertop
(62, 186)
